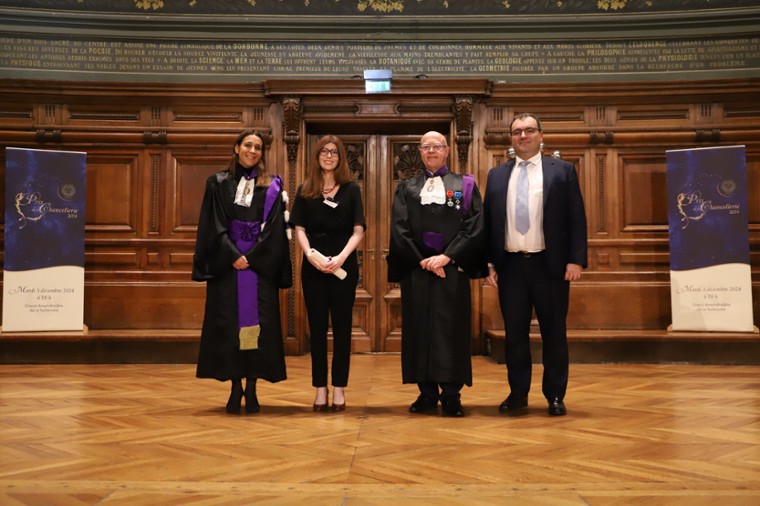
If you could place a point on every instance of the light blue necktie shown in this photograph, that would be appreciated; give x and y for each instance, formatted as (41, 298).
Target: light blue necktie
(522, 219)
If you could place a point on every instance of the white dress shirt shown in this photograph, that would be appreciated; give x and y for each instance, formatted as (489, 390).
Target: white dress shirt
(533, 240)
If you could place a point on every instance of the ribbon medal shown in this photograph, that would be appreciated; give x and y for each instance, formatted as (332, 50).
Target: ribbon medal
(458, 200)
(449, 198)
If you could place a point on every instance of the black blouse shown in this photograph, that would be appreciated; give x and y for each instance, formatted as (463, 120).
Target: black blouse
(329, 227)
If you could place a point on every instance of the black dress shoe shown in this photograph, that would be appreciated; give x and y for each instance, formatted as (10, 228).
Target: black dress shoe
(236, 396)
(557, 407)
(423, 405)
(251, 401)
(514, 406)
(452, 408)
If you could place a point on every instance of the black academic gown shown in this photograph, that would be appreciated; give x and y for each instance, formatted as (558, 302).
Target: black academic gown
(436, 312)
(220, 356)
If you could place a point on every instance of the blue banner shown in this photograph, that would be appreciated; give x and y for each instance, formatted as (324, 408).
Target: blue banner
(43, 277)
(711, 286)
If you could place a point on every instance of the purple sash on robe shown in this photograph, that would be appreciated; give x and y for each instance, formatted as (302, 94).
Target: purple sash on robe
(245, 235)
(434, 241)
(274, 189)
(468, 183)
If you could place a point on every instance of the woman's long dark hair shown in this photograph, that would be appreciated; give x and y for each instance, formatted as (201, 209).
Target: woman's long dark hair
(262, 175)
(312, 184)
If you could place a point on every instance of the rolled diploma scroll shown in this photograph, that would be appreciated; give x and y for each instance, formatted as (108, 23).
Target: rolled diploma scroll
(321, 260)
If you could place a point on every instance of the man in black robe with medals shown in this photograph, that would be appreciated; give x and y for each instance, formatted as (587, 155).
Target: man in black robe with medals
(436, 247)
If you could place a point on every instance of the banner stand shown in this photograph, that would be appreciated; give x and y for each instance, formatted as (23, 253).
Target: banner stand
(708, 220)
(43, 271)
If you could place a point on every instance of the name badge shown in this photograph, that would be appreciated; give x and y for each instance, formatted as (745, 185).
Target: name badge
(330, 202)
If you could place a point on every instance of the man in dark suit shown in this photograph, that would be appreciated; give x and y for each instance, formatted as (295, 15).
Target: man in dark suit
(536, 227)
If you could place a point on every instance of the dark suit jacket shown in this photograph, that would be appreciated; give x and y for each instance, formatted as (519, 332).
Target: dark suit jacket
(564, 215)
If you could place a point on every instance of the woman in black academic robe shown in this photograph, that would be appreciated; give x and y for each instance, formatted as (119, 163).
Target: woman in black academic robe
(242, 254)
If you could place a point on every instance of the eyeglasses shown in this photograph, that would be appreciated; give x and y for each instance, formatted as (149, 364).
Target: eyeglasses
(517, 132)
(328, 152)
(432, 147)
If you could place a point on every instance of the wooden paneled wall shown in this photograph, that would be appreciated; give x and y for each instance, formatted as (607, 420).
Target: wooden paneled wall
(151, 146)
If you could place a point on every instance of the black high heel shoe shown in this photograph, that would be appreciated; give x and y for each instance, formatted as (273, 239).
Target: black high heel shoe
(251, 401)
(236, 395)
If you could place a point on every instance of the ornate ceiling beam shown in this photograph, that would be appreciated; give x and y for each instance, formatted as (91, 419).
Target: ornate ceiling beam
(457, 28)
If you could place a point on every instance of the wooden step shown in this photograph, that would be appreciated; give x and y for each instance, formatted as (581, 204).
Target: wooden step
(131, 346)
(645, 346)
(181, 346)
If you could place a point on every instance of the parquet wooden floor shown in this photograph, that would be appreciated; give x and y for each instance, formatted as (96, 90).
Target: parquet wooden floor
(142, 435)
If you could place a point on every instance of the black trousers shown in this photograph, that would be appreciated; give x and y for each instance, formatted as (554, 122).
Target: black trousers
(526, 284)
(329, 298)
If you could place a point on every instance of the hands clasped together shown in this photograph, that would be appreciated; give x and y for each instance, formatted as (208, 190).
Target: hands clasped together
(329, 267)
(241, 263)
(435, 264)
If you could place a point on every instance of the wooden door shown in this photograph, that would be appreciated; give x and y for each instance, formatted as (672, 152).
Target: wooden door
(378, 162)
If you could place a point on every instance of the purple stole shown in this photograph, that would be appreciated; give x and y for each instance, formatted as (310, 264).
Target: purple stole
(245, 235)
(468, 183)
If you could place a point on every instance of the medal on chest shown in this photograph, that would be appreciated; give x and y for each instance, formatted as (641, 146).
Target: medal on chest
(450, 198)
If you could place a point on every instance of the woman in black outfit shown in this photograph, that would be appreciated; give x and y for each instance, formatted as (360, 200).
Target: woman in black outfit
(328, 216)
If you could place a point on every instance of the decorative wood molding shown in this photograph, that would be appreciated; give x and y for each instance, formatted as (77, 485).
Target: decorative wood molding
(155, 137)
(199, 117)
(23, 114)
(708, 135)
(607, 137)
(650, 114)
(463, 120)
(155, 178)
(601, 193)
(741, 113)
(291, 129)
(331, 108)
(497, 138)
(104, 116)
(44, 135)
